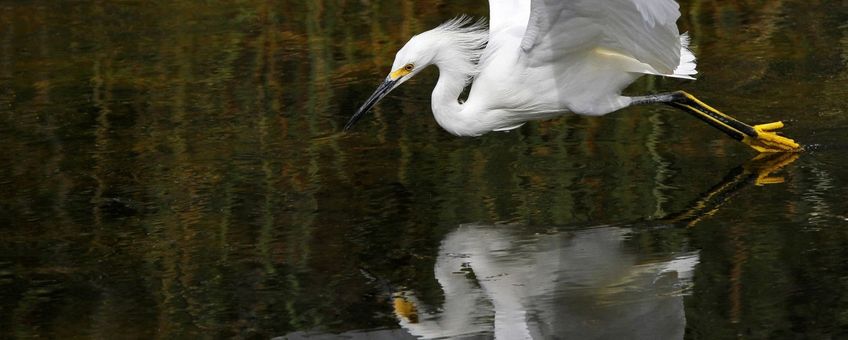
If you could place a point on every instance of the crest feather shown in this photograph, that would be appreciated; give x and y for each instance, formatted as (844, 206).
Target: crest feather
(468, 37)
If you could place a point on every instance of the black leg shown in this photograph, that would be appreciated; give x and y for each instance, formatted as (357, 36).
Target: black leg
(759, 137)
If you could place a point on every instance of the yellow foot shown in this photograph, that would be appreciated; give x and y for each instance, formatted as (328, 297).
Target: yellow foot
(759, 137)
(768, 141)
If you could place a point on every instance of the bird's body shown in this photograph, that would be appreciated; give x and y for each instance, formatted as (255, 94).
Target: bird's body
(504, 93)
(538, 75)
(543, 58)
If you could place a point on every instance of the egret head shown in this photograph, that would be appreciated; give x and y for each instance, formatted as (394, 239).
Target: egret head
(416, 55)
(455, 43)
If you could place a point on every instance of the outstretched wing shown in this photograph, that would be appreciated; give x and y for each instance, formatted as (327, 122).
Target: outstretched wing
(645, 30)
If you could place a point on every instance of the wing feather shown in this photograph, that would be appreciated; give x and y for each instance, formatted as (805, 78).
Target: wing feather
(645, 30)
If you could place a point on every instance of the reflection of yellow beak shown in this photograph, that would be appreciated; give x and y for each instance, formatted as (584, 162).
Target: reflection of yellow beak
(405, 309)
(398, 73)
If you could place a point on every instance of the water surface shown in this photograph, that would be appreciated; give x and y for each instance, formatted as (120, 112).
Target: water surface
(176, 170)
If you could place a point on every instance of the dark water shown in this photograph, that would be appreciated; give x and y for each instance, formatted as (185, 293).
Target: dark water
(175, 170)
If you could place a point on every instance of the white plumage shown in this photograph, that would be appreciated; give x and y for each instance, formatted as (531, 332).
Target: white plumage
(543, 58)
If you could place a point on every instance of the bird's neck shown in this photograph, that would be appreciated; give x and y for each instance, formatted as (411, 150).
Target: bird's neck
(445, 100)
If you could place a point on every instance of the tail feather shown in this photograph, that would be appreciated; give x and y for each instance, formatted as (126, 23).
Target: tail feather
(686, 68)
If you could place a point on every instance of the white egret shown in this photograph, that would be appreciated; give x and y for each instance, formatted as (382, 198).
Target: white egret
(541, 59)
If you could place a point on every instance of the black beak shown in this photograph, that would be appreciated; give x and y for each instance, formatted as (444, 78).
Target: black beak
(378, 94)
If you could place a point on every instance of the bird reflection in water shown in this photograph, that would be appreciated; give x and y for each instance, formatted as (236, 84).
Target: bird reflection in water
(511, 282)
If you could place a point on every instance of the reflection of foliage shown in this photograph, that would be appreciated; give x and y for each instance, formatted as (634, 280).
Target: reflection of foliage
(174, 168)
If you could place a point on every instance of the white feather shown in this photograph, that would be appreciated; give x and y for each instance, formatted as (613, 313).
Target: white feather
(544, 58)
(686, 67)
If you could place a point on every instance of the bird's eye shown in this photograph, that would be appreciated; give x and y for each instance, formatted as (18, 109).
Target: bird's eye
(408, 67)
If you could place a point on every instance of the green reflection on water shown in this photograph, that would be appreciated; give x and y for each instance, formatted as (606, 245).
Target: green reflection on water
(175, 169)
